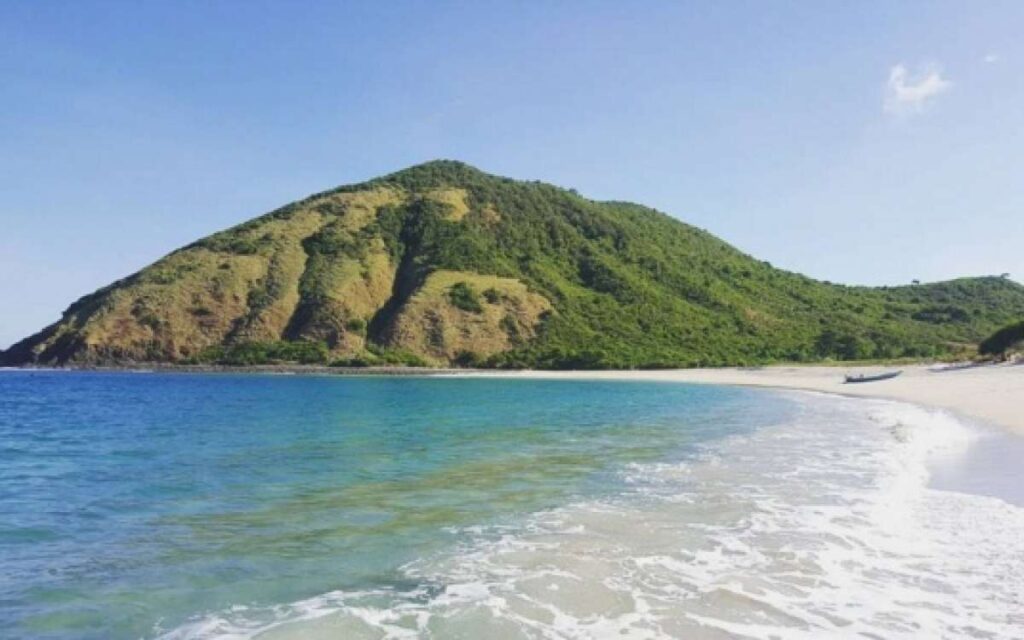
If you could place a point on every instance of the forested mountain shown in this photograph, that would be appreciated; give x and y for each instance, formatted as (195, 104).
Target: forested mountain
(444, 264)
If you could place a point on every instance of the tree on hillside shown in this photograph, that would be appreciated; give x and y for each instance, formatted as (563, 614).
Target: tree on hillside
(1003, 340)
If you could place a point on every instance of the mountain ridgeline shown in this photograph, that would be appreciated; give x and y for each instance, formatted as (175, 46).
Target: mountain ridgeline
(442, 264)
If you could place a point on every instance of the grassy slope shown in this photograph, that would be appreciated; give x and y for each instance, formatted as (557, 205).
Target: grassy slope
(366, 273)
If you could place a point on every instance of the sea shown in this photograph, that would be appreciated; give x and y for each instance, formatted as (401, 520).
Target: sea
(194, 506)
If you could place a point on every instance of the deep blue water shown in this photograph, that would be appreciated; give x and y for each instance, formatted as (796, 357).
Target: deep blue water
(133, 503)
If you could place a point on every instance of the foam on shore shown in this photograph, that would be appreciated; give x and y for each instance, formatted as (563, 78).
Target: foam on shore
(824, 526)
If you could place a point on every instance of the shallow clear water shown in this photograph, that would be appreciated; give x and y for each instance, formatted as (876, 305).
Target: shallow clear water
(131, 503)
(188, 506)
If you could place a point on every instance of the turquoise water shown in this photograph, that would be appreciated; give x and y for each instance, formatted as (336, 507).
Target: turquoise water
(133, 505)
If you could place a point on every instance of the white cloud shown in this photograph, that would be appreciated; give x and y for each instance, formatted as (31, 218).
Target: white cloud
(991, 57)
(905, 93)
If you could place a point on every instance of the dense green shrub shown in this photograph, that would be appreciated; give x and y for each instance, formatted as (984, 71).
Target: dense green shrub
(400, 357)
(941, 314)
(356, 362)
(1002, 340)
(356, 325)
(464, 297)
(469, 359)
(254, 353)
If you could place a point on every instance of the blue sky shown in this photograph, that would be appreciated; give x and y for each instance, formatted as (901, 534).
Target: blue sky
(858, 142)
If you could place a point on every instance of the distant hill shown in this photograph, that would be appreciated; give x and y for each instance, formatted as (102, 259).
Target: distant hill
(444, 264)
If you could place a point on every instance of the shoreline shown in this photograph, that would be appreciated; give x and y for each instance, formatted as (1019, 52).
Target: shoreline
(989, 393)
(706, 500)
(256, 369)
(984, 392)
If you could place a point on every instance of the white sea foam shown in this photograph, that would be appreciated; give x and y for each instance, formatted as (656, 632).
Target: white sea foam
(821, 527)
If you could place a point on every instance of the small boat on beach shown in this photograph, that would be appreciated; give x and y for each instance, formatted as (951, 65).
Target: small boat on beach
(866, 378)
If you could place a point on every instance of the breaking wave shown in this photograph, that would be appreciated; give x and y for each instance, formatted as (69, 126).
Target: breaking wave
(824, 526)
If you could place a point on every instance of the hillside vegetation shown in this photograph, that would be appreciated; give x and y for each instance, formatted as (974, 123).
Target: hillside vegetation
(443, 264)
(1004, 340)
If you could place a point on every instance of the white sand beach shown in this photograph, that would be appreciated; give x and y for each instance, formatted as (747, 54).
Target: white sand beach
(992, 393)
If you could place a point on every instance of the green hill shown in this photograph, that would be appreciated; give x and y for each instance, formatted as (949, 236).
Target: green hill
(442, 264)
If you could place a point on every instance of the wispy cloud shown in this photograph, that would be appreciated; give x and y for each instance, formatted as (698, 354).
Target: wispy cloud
(906, 93)
(991, 57)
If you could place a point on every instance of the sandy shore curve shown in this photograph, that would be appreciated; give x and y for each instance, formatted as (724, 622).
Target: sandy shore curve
(991, 393)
